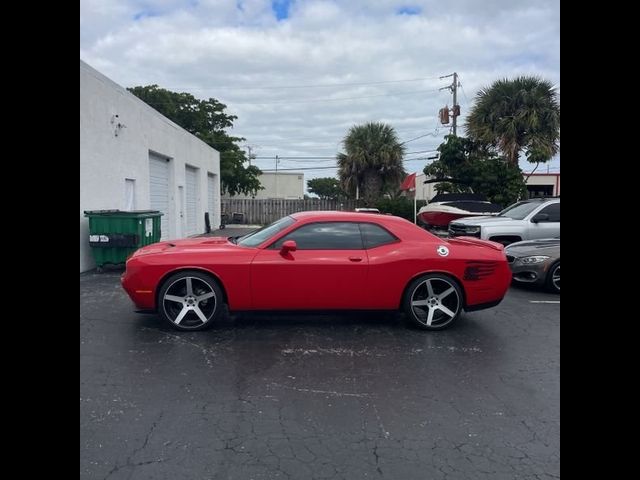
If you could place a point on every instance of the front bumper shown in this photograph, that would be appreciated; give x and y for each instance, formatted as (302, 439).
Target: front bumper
(139, 290)
(533, 274)
(462, 230)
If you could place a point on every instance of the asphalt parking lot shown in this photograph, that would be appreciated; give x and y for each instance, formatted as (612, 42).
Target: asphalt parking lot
(339, 396)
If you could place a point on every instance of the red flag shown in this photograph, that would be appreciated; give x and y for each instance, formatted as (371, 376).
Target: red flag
(409, 183)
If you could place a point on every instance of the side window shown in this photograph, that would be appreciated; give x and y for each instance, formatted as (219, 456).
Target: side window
(553, 211)
(374, 235)
(325, 236)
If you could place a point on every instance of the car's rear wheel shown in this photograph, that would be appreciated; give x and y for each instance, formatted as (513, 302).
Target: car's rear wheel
(433, 301)
(553, 278)
(190, 300)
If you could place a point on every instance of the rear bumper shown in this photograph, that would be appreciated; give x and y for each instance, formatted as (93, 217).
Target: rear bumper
(487, 290)
(482, 306)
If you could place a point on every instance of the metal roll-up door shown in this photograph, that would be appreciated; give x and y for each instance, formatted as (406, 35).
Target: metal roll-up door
(191, 200)
(159, 191)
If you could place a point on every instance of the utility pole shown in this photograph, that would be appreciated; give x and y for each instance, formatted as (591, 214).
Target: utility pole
(454, 90)
(455, 111)
(276, 192)
(249, 154)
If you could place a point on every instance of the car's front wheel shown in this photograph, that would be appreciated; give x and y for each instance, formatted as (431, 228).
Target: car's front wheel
(433, 301)
(190, 300)
(553, 278)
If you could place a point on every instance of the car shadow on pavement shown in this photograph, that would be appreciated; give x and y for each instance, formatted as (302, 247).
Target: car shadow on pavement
(295, 320)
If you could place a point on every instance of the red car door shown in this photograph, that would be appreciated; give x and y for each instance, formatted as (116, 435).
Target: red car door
(327, 271)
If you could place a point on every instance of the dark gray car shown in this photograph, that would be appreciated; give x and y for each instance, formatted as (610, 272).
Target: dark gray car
(536, 262)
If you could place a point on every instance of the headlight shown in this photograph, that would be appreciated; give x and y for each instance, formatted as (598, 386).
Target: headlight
(533, 259)
(472, 230)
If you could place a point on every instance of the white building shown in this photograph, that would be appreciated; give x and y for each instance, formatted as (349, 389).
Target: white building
(287, 185)
(543, 184)
(133, 158)
(424, 191)
(538, 184)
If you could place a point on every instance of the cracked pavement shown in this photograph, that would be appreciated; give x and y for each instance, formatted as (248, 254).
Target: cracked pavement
(310, 396)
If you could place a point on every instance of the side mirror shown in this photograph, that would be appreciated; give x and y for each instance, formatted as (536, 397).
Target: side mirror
(540, 217)
(288, 246)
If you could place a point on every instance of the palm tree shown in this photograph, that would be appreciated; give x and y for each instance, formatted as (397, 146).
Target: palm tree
(520, 115)
(372, 161)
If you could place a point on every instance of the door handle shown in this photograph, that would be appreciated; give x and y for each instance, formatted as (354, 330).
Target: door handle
(355, 259)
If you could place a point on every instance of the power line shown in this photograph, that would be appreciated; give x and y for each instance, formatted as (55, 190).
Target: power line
(420, 151)
(312, 162)
(323, 85)
(463, 92)
(294, 157)
(302, 139)
(393, 94)
(297, 169)
(421, 136)
(311, 157)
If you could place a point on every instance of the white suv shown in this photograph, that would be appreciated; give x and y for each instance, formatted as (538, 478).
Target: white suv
(525, 220)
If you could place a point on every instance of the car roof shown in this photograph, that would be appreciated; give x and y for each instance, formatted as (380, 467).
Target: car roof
(541, 199)
(340, 216)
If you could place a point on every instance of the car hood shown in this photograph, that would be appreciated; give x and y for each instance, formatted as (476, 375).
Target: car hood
(544, 246)
(199, 244)
(484, 220)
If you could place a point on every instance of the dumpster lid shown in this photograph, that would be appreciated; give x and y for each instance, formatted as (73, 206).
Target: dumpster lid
(123, 212)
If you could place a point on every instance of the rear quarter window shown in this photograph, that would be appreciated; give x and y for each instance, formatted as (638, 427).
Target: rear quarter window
(375, 236)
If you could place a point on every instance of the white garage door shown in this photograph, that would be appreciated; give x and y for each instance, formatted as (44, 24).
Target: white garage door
(212, 200)
(192, 195)
(159, 191)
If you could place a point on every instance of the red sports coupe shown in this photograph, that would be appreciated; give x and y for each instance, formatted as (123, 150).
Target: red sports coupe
(319, 261)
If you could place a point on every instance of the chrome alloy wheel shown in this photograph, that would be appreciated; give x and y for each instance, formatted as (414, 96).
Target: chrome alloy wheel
(189, 302)
(555, 278)
(435, 302)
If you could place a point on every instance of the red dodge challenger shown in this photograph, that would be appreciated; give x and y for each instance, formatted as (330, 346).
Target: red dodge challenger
(319, 261)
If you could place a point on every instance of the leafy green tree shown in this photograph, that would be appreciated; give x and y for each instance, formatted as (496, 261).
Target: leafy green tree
(207, 120)
(372, 161)
(518, 116)
(475, 168)
(399, 206)
(327, 188)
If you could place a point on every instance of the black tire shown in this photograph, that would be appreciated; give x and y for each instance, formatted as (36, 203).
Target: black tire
(443, 311)
(550, 283)
(186, 311)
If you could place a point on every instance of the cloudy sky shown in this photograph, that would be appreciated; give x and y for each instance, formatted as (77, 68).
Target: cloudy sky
(299, 73)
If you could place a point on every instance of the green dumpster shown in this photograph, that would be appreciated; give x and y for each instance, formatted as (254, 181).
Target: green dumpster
(114, 234)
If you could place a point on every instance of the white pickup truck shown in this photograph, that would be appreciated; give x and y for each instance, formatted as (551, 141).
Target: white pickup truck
(525, 220)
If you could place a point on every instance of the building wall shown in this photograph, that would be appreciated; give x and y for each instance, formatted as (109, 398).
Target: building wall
(424, 191)
(110, 155)
(546, 179)
(287, 185)
(427, 192)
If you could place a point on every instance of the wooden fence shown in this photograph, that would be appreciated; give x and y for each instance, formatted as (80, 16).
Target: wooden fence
(263, 212)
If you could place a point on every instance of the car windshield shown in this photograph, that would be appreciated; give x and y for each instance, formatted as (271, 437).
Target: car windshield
(519, 210)
(255, 238)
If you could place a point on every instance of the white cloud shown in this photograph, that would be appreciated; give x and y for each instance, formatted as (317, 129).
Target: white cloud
(226, 48)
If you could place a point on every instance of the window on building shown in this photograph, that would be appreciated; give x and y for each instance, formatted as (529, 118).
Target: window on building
(540, 190)
(129, 194)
